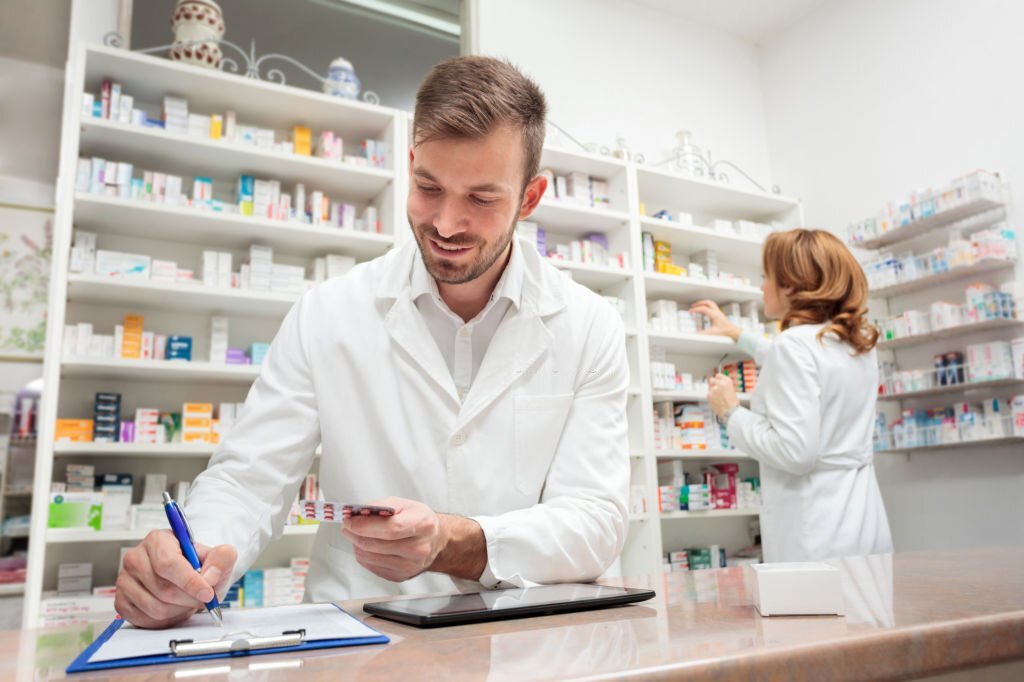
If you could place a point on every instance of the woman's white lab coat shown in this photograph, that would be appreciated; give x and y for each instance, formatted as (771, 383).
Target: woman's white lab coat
(810, 426)
(537, 452)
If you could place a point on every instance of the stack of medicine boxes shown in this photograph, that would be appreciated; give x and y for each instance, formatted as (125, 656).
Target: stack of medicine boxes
(218, 339)
(106, 426)
(197, 423)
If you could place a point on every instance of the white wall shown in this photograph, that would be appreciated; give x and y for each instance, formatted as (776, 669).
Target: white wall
(30, 99)
(865, 101)
(611, 67)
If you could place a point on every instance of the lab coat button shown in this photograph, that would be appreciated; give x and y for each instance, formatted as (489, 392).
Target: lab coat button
(459, 438)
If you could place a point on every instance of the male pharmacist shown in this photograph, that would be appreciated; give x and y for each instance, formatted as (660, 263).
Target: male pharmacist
(460, 379)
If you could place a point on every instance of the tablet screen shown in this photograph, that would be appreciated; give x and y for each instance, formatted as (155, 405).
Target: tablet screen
(502, 599)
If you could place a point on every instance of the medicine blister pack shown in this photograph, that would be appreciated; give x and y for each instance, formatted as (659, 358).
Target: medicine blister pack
(316, 510)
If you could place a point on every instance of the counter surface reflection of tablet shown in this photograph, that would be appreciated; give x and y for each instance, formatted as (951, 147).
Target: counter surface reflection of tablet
(499, 604)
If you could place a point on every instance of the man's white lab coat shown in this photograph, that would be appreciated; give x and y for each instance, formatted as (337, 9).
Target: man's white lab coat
(537, 452)
(810, 425)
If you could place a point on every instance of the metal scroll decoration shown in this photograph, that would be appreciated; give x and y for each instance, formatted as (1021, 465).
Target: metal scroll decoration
(620, 151)
(255, 66)
(688, 157)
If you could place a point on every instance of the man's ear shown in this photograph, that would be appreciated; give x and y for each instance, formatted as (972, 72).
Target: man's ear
(532, 195)
(412, 157)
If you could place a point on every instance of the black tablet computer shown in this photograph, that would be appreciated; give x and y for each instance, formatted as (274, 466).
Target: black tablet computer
(543, 600)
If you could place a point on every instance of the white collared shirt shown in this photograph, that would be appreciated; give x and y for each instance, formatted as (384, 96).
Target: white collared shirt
(464, 344)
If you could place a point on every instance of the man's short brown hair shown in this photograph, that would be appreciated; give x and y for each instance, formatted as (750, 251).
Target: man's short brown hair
(467, 97)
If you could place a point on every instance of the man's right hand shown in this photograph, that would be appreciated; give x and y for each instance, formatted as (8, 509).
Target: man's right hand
(158, 588)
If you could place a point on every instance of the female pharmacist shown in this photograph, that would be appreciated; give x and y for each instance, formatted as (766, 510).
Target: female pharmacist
(811, 416)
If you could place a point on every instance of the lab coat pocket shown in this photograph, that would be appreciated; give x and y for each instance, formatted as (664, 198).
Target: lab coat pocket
(539, 420)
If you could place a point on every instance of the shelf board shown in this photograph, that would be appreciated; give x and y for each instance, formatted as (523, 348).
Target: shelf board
(700, 454)
(188, 156)
(12, 589)
(709, 513)
(70, 535)
(731, 248)
(194, 298)
(564, 160)
(950, 332)
(661, 189)
(158, 370)
(692, 344)
(597, 277)
(983, 442)
(226, 230)
(659, 285)
(965, 388)
(567, 218)
(260, 102)
(681, 397)
(141, 450)
(922, 283)
(919, 227)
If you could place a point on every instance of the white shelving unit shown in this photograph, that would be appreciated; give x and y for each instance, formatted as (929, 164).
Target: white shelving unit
(654, 533)
(918, 351)
(181, 233)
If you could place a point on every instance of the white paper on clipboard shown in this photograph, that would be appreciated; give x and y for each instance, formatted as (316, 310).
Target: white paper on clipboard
(320, 621)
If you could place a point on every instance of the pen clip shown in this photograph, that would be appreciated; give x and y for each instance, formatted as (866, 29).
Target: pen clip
(181, 648)
(168, 500)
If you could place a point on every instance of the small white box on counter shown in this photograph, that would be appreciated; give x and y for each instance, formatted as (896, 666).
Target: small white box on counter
(802, 588)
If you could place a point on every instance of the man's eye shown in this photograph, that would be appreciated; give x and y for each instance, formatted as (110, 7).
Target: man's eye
(426, 189)
(483, 202)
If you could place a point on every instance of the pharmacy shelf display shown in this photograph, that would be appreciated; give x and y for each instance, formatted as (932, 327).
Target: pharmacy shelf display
(951, 366)
(591, 224)
(165, 166)
(696, 239)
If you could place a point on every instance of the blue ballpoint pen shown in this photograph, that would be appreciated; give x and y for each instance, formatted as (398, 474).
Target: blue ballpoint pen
(184, 535)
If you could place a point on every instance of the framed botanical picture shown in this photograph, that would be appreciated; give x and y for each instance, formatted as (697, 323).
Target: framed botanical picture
(26, 246)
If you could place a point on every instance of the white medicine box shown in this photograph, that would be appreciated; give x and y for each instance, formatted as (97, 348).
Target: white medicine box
(806, 588)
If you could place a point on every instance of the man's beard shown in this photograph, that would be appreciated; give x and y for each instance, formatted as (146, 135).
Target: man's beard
(447, 272)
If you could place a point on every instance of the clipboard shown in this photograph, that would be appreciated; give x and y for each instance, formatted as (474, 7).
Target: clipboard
(183, 649)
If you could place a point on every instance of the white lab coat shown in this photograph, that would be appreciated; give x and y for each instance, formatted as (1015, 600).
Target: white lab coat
(810, 425)
(537, 453)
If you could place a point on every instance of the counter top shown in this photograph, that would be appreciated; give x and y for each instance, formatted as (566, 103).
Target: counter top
(908, 615)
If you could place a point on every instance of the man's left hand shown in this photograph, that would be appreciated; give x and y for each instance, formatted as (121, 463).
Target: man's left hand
(397, 547)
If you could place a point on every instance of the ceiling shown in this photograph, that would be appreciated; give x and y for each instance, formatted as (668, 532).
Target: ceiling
(752, 20)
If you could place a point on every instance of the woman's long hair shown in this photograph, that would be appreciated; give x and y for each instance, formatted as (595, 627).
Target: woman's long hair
(828, 285)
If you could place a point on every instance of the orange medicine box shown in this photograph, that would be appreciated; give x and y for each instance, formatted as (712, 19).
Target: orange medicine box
(131, 341)
(302, 140)
(73, 430)
(197, 423)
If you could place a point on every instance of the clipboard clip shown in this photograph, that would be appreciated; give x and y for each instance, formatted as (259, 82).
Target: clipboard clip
(182, 648)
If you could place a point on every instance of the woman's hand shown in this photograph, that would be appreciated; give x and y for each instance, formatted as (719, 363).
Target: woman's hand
(720, 324)
(722, 395)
